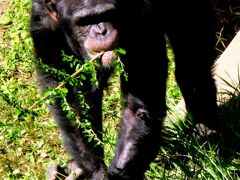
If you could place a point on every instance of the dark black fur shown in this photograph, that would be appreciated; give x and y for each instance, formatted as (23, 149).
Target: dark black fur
(141, 25)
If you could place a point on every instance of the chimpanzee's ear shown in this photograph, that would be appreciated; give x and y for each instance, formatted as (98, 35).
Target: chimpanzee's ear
(45, 15)
(51, 6)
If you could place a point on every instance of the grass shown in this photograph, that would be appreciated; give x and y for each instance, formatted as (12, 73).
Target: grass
(29, 140)
(27, 144)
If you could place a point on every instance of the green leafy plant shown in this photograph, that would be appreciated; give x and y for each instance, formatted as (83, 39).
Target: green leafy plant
(83, 69)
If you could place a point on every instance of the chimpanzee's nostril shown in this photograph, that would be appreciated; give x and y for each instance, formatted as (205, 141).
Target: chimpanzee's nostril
(99, 30)
(102, 29)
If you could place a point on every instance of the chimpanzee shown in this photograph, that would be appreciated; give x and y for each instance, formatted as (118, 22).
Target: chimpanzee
(85, 27)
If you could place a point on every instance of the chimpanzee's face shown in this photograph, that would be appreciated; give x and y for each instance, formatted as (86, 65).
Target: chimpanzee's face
(89, 26)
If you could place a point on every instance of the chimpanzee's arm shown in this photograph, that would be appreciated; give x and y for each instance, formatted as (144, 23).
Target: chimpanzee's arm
(138, 143)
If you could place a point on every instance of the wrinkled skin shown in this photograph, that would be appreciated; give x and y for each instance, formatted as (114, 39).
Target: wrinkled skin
(85, 27)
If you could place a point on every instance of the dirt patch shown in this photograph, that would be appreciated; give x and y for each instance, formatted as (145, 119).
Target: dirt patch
(3, 6)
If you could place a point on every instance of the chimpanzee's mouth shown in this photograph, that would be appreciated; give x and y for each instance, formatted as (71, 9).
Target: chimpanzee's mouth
(104, 44)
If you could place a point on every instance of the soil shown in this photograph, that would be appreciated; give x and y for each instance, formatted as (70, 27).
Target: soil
(3, 7)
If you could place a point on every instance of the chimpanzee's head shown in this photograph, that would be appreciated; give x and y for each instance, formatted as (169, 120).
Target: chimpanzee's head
(89, 26)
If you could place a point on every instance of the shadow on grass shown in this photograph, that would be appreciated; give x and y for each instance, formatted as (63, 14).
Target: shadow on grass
(229, 113)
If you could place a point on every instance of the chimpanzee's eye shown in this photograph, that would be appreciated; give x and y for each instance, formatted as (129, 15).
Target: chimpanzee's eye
(108, 16)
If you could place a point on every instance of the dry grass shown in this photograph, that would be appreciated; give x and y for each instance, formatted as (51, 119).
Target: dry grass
(228, 21)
